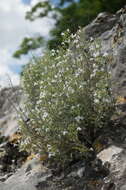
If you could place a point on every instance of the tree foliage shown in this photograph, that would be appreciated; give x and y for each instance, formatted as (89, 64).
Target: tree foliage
(29, 44)
(72, 15)
(45, 6)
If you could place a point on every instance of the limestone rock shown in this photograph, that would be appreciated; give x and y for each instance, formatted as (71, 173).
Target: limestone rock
(111, 30)
(10, 99)
(117, 160)
(100, 24)
(25, 179)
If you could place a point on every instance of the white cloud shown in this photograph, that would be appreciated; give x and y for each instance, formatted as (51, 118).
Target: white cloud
(34, 2)
(13, 29)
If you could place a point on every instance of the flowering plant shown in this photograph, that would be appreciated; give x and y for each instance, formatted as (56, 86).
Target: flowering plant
(68, 93)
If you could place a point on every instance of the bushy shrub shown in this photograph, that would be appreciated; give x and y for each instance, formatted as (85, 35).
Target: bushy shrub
(68, 93)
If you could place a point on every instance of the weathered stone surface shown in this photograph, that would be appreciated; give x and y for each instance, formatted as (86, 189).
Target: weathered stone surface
(9, 101)
(27, 179)
(107, 154)
(100, 24)
(117, 160)
(111, 30)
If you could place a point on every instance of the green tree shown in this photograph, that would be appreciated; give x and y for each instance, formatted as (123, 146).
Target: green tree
(29, 44)
(73, 13)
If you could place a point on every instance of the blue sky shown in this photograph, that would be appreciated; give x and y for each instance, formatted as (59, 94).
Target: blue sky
(26, 1)
(13, 29)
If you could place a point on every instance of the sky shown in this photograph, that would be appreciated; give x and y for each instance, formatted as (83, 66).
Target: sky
(13, 28)
(26, 1)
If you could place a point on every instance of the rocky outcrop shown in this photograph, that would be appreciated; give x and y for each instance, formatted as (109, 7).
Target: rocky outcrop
(10, 99)
(100, 25)
(116, 157)
(111, 30)
(31, 176)
(11, 158)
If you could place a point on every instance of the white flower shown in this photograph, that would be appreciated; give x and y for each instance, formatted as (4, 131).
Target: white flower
(78, 129)
(96, 100)
(73, 36)
(35, 84)
(45, 115)
(65, 132)
(78, 45)
(38, 102)
(53, 52)
(56, 76)
(79, 31)
(49, 147)
(61, 70)
(70, 89)
(91, 47)
(79, 118)
(42, 94)
(63, 43)
(91, 39)
(53, 81)
(57, 58)
(51, 154)
(105, 54)
(62, 34)
(72, 107)
(96, 54)
(91, 59)
(76, 41)
(78, 72)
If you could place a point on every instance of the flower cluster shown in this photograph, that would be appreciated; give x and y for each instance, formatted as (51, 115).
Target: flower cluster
(68, 90)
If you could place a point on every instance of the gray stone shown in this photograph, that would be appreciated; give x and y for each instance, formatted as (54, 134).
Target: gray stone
(81, 171)
(117, 159)
(25, 180)
(100, 25)
(123, 187)
(10, 98)
(111, 30)
(107, 154)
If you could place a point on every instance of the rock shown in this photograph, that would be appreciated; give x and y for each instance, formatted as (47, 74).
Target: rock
(111, 30)
(123, 187)
(4, 178)
(81, 171)
(119, 73)
(77, 171)
(100, 25)
(107, 154)
(116, 158)
(28, 180)
(10, 98)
